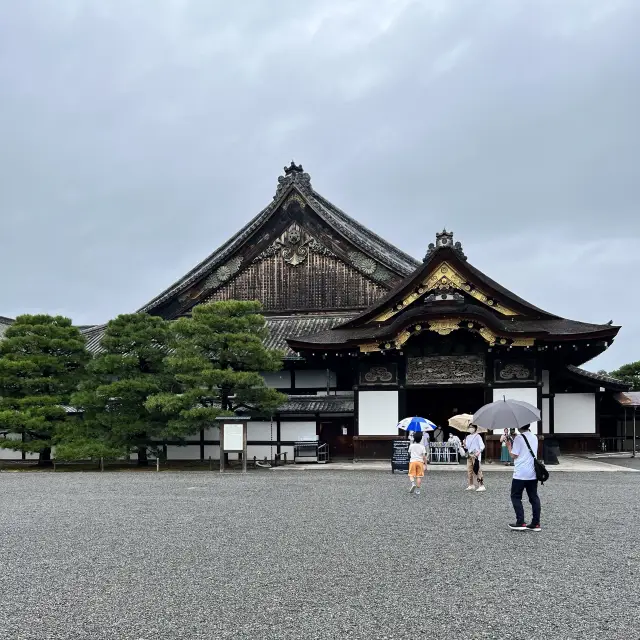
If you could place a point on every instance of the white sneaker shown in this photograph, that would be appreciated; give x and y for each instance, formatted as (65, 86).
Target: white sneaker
(481, 488)
(470, 488)
(413, 488)
(417, 492)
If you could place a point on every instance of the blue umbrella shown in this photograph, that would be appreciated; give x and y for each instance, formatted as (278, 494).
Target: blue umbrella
(416, 424)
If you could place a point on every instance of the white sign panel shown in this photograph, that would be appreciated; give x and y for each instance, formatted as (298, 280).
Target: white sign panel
(233, 437)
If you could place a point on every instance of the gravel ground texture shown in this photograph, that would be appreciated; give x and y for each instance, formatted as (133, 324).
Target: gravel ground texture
(133, 556)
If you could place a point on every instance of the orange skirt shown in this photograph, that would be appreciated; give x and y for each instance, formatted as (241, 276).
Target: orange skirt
(416, 469)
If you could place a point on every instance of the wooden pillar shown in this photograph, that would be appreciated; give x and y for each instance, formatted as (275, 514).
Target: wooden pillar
(402, 403)
(201, 444)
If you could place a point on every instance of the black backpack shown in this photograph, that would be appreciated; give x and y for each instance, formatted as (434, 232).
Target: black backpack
(542, 475)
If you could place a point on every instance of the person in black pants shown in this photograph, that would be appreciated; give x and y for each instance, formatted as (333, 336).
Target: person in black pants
(522, 451)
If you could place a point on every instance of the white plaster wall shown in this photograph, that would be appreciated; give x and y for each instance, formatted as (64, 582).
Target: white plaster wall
(525, 394)
(212, 450)
(10, 454)
(377, 413)
(212, 433)
(302, 430)
(188, 452)
(261, 431)
(277, 379)
(315, 378)
(545, 415)
(574, 413)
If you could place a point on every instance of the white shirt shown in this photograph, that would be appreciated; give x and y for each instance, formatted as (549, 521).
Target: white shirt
(417, 452)
(455, 441)
(474, 445)
(523, 468)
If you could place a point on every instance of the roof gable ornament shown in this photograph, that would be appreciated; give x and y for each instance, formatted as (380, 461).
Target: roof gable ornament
(294, 174)
(444, 240)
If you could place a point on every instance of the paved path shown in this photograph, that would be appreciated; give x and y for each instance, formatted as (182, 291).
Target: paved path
(569, 464)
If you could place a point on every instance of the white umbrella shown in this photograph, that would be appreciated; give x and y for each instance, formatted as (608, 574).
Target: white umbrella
(463, 422)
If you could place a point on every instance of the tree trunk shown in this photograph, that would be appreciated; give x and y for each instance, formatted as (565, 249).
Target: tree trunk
(143, 461)
(45, 458)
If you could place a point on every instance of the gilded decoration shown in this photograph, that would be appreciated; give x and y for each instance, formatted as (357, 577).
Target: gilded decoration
(294, 197)
(444, 327)
(446, 370)
(523, 342)
(402, 338)
(445, 276)
(294, 246)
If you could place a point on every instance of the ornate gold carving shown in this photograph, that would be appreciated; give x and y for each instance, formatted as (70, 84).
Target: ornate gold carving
(489, 336)
(294, 197)
(444, 327)
(402, 338)
(523, 342)
(444, 277)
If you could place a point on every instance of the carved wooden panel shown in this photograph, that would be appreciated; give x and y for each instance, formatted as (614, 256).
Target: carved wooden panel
(378, 374)
(446, 370)
(317, 282)
(509, 371)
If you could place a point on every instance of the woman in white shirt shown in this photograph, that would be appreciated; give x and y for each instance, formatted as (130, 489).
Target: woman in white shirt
(474, 446)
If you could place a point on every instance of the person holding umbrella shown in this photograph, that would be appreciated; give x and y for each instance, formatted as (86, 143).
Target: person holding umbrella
(475, 446)
(524, 478)
(516, 414)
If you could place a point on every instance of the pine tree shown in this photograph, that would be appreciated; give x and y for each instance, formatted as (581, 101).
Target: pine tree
(129, 369)
(217, 355)
(629, 373)
(42, 360)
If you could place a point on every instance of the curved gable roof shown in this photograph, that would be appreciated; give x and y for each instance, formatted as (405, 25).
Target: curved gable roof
(296, 181)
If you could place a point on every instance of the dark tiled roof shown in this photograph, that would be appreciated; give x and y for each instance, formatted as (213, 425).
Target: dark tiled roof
(598, 377)
(93, 335)
(319, 404)
(283, 327)
(280, 328)
(543, 328)
(360, 236)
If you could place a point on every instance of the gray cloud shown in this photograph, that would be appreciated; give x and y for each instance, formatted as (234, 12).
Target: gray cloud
(135, 140)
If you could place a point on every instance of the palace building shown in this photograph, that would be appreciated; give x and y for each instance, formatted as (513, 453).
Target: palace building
(372, 335)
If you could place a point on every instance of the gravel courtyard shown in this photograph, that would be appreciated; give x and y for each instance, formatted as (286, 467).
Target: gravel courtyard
(314, 555)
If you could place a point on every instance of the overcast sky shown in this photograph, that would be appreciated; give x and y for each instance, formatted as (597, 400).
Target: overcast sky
(137, 136)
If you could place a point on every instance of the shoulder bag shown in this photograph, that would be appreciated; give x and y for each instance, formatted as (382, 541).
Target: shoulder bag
(542, 475)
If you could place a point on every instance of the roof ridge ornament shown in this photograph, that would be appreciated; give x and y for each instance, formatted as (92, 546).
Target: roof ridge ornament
(444, 240)
(294, 174)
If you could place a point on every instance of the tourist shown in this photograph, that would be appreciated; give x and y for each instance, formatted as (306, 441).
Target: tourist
(474, 445)
(505, 456)
(455, 444)
(524, 478)
(417, 462)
